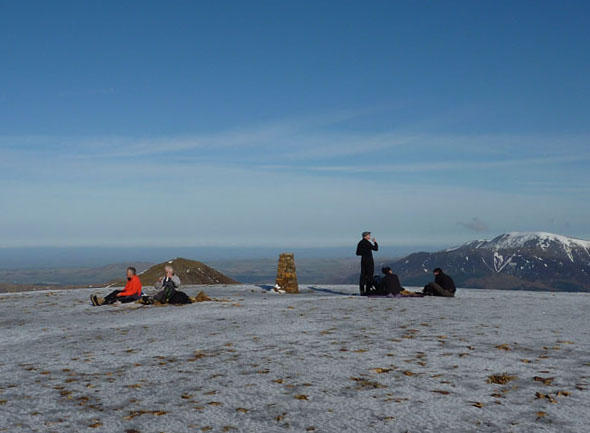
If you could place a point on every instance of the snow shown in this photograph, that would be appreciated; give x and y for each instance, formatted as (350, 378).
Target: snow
(517, 240)
(500, 263)
(486, 264)
(472, 244)
(542, 239)
(294, 363)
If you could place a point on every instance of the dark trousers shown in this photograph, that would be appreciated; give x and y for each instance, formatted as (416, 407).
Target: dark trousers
(112, 297)
(433, 289)
(165, 295)
(366, 278)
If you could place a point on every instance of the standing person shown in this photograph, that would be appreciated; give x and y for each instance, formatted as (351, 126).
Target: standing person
(131, 293)
(167, 285)
(443, 285)
(365, 249)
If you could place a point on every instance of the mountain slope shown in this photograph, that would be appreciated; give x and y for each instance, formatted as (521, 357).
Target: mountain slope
(189, 272)
(518, 260)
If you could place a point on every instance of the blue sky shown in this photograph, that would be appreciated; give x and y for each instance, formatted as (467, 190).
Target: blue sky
(293, 124)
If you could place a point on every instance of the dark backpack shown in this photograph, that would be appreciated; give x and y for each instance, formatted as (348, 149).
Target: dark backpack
(179, 298)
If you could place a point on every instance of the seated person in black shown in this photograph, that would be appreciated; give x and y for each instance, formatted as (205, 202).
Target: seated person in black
(443, 285)
(168, 289)
(388, 284)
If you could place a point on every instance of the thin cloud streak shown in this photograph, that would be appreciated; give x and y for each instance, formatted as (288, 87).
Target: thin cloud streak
(441, 165)
(310, 138)
(285, 142)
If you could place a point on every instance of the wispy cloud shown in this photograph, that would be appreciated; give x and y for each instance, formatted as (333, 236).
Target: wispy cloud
(475, 225)
(313, 171)
(429, 166)
(311, 145)
(325, 143)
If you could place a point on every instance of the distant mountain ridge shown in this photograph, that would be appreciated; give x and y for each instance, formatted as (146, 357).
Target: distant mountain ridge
(516, 260)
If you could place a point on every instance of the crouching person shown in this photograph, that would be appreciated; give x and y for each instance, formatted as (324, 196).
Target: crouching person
(131, 292)
(388, 284)
(168, 289)
(443, 285)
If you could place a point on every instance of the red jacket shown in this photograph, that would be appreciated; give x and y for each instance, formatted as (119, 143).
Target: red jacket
(132, 288)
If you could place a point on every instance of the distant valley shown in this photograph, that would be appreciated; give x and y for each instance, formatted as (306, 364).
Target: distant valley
(64, 277)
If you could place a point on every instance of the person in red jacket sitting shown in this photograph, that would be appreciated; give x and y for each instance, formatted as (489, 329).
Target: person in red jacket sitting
(131, 293)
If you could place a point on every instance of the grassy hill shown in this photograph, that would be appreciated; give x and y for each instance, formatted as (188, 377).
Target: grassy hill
(189, 272)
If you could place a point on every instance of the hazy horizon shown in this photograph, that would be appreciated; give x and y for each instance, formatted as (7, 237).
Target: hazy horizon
(50, 257)
(101, 255)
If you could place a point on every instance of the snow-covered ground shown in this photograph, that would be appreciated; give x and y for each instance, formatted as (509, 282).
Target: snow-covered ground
(320, 361)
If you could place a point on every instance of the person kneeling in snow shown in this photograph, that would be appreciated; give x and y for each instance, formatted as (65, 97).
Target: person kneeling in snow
(168, 289)
(388, 284)
(131, 293)
(443, 285)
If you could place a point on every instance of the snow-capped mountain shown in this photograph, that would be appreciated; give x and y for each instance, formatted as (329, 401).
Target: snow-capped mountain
(518, 260)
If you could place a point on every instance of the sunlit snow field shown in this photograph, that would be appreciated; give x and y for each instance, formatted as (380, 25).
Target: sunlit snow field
(321, 361)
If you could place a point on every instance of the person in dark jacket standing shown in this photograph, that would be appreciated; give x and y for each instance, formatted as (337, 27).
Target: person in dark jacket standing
(443, 285)
(365, 249)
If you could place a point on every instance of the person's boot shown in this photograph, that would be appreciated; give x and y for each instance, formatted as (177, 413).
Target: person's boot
(145, 300)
